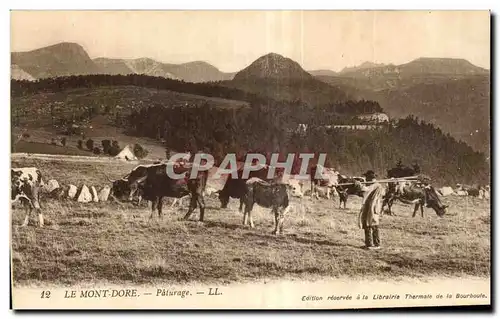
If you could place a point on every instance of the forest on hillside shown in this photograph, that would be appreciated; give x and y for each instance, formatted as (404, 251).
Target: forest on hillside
(21, 88)
(264, 130)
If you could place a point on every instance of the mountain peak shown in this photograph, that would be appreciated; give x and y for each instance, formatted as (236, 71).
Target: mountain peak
(273, 66)
(60, 59)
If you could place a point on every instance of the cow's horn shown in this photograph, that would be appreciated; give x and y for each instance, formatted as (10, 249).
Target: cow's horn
(109, 179)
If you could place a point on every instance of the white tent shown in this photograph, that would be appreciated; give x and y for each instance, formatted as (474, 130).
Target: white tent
(126, 154)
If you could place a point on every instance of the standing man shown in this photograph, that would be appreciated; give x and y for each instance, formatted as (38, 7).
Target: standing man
(369, 215)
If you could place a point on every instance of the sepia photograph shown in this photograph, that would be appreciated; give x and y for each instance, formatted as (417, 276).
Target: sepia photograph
(250, 159)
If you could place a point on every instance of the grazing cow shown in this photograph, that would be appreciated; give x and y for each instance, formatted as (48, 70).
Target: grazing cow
(158, 184)
(152, 183)
(418, 194)
(268, 195)
(327, 183)
(130, 184)
(397, 172)
(26, 184)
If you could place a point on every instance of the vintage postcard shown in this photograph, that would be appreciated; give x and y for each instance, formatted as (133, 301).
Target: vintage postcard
(250, 159)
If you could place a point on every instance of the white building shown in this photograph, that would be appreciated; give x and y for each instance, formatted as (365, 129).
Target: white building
(374, 117)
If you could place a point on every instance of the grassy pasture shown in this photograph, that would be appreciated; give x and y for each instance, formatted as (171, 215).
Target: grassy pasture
(106, 242)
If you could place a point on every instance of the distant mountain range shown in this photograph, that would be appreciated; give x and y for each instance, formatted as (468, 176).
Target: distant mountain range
(453, 94)
(65, 59)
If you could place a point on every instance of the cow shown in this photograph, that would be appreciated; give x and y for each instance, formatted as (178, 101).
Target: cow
(419, 194)
(26, 184)
(446, 191)
(132, 184)
(151, 182)
(158, 184)
(354, 186)
(474, 191)
(403, 171)
(327, 182)
(487, 192)
(269, 195)
(236, 187)
(460, 190)
(296, 186)
(397, 172)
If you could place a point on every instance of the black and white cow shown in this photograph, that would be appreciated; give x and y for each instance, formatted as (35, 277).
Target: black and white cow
(26, 184)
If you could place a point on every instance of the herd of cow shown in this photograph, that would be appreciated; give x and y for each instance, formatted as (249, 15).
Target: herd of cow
(152, 183)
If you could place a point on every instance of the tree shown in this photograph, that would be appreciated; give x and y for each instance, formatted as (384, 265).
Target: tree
(106, 145)
(90, 144)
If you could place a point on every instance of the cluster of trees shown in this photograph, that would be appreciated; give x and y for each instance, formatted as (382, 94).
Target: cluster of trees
(111, 148)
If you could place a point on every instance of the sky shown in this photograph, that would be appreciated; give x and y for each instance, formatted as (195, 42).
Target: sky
(231, 40)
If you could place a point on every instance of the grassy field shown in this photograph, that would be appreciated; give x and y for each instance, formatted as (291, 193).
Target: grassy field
(106, 242)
